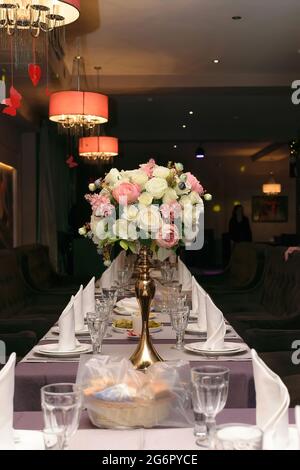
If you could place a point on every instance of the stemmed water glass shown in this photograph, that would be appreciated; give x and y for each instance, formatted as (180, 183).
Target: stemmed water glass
(123, 276)
(97, 324)
(209, 395)
(179, 320)
(61, 405)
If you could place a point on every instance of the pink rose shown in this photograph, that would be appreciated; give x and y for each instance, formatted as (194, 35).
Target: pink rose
(167, 236)
(126, 193)
(170, 211)
(194, 183)
(148, 167)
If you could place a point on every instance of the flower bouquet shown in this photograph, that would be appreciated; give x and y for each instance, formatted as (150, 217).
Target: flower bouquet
(157, 206)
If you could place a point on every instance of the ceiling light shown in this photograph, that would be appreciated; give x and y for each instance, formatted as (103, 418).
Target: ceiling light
(174, 146)
(216, 61)
(184, 126)
(271, 187)
(200, 153)
(191, 112)
(98, 147)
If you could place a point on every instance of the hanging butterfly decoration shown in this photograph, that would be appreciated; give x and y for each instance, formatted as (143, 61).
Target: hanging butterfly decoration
(12, 103)
(71, 162)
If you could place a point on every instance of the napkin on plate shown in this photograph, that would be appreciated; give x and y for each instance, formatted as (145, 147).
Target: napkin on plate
(66, 323)
(78, 310)
(107, 278)
(272, 404)
(128, 304)
(7, 385)
(199, 304)
(88, 298)
(184, 276)
(216, 327)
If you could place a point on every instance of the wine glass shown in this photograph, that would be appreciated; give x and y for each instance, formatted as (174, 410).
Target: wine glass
(122, 281)
(179, 320)
(209, 395)
(61, 405)
(97, 324)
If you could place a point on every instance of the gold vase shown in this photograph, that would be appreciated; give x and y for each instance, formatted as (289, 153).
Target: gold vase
(145, 353)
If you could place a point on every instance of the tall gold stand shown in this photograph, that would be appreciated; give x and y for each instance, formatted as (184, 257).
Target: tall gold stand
(145, 353)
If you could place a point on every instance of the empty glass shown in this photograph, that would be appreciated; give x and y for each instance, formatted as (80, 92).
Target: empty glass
(97, 324)
(179, 321)
(209, 394)
(122, 281)
(238, 437)
(61, 405)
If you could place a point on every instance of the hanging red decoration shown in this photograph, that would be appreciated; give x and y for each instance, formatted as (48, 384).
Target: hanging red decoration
(71, 162)
(35, 73)
(13, 102)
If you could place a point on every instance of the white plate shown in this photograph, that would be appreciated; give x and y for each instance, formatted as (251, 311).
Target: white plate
(125, 313)
(28, 440)
(83, 332)
(51, 350)
(124, 330)
(229, 348)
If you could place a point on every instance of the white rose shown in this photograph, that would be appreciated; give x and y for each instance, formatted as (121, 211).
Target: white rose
(207, 197)
(145, 199)
(149, 219)
(122, 229)
(169, 196)
(112, 177)
(161, 172)
(156, 187)
(92, 187)
(130, 213)
(138, 177)
(101, 231)
(82, 231)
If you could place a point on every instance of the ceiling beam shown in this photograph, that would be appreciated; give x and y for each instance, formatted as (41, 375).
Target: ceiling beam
(267, 150)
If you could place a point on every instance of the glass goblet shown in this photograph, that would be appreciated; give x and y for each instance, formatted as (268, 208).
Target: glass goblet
(209, 395)
(179, 321)
(61, 405)
(97, 324)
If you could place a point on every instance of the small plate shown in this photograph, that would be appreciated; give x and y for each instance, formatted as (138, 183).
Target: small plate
(84, 332)
(28, 440)
(51, 350)
(229, 349)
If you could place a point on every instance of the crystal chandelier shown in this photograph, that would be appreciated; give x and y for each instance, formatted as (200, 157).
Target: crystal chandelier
(37, 15)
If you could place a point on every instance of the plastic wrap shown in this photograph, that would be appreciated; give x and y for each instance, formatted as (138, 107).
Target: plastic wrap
(118, 396)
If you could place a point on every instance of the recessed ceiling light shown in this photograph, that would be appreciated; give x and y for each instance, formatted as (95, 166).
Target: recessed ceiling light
(184, 126)
(191, 112)
(237, 17)
(216, 61)
(174, 146)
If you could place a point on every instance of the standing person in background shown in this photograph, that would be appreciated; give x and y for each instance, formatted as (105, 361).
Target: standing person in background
(239, 226)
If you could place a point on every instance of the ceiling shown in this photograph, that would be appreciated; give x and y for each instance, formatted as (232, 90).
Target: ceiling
(157, 65)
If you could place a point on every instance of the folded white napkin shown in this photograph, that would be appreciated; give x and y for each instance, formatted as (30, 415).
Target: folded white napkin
(216, 327)
(272, 404)
(7, 386)
(66, 323)
(297, 418)
(88, 298)
(78, 310)
(184, 276)
(107, 278)
(128, 304)
(199, 304)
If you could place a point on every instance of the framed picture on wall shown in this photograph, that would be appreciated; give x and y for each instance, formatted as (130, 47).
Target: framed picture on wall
(7, 206)
(270, 209)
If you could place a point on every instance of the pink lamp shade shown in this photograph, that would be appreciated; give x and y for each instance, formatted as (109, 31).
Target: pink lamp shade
(78, 106)
(69, 9)
(98, 147)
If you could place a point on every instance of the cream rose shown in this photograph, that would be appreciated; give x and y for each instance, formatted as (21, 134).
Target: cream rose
(122, 229)
(145, 199)
(161, 172)
(112, 177)
(170, 196)
(156, 187)
(149, 219)
(101, 230)
(130, 213)
(138, 177)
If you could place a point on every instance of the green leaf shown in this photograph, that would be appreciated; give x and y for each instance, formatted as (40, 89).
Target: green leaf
(124, 245)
